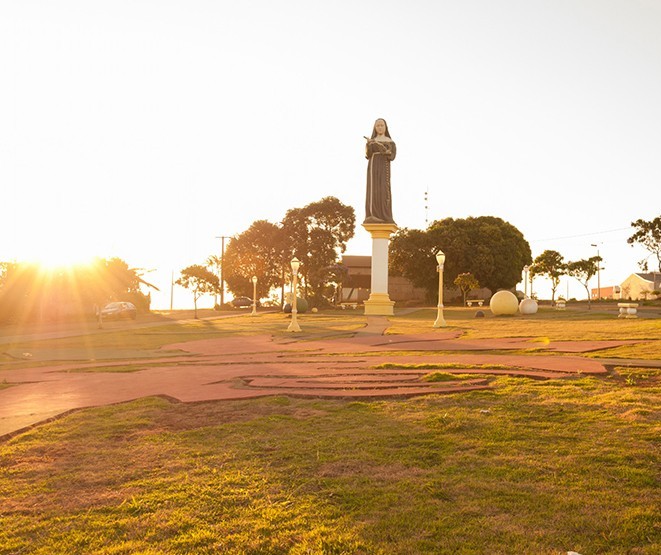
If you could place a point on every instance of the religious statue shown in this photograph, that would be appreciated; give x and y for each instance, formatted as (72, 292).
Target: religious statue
(380, 150)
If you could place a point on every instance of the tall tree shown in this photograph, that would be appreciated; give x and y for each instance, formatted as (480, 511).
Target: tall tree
(583, 271)
(258, 251)
(317, 235)
(648, 234)
(200, 280)
(491, 249)
(550, 264)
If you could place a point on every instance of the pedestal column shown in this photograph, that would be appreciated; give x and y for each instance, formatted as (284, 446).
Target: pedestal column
(379, 303)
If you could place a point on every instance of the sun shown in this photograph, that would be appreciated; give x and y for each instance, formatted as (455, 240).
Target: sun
(59, 257)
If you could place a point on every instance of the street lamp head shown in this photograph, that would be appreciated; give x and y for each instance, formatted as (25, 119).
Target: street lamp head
(440, 258)
(254, 279)
(295, 263)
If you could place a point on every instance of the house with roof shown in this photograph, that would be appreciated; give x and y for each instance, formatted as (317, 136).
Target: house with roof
(641, 286)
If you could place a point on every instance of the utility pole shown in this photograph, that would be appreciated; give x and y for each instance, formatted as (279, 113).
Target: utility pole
(171, 290)
(222, 266)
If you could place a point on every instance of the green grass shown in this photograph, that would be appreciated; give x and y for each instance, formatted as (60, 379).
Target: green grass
(529, 467)
(440, 366)
(539, 467)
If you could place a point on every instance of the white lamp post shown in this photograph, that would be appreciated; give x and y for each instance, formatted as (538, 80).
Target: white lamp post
(525, 281)
(293, 325)
(254, 295)
(440, 321)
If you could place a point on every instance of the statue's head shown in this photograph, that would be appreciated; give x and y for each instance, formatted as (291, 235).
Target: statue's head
(380, 128)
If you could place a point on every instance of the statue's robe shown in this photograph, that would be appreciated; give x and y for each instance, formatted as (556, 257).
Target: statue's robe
(378, 202)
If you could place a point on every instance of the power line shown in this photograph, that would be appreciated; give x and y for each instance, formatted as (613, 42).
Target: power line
(581, 235)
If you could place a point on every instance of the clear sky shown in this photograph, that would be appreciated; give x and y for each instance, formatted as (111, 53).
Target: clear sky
(144, 129)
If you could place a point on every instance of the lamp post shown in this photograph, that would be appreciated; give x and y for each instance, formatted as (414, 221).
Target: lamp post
(254, 295)
(598, 271)
(525, 281)
(293, 325)
(440, 321)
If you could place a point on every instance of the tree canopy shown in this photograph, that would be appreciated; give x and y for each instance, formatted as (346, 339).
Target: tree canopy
(583, 271)
(466, 282)
(29, 292)
(550, 264)
(258, 251)
(648, 234)
(316, 234)
(491, 249)
(200, 280)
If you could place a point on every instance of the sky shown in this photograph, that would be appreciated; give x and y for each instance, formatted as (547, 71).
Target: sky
(146, 129)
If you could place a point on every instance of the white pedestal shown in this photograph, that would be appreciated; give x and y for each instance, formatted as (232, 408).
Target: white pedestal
(379, 303)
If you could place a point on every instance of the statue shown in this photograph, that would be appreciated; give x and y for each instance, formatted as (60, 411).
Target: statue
(380, 150)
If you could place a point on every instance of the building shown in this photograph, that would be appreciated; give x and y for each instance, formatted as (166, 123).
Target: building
(357, 283)
(641, 286)
(610, 292)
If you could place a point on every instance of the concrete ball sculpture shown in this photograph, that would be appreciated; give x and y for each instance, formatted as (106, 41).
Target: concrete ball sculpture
(528, 306)
(504, 303)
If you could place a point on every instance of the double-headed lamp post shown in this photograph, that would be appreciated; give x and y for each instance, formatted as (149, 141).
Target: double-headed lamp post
(254, 295)
(440, 321)
(293, 325)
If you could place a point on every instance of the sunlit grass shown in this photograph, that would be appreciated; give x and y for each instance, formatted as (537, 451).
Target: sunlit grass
(548, 325)
(528, 467)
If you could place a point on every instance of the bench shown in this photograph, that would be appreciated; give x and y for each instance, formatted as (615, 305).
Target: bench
(470, 302)
(627, 310)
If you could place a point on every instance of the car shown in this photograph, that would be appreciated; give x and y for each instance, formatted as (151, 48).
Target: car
(241, 302)
(118, 310)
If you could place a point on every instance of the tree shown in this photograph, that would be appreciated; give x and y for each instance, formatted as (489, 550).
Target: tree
(466, 282)
(199, 280)
(489, 248)
(550, 264)
(258, 251)
(648, 234)
(317, 234)
(583, 271)
(29, 292)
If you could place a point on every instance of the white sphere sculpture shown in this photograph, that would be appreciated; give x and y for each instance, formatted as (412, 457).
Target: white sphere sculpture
(504, 303)
(528, 306)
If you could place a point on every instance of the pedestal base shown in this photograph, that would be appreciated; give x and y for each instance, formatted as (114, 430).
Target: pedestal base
(379, 304)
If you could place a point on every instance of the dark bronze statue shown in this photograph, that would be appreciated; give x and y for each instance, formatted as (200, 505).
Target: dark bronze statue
(380, 150)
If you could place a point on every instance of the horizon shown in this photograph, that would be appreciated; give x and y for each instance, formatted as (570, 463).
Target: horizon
(146, 131)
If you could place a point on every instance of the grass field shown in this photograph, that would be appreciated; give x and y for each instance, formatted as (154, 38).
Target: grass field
(532, 467)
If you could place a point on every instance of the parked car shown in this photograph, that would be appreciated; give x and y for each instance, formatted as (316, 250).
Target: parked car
(241, 302)
(117, 310)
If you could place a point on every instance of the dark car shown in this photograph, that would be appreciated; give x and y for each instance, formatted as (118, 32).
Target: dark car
(241, 302)
(117, 310)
